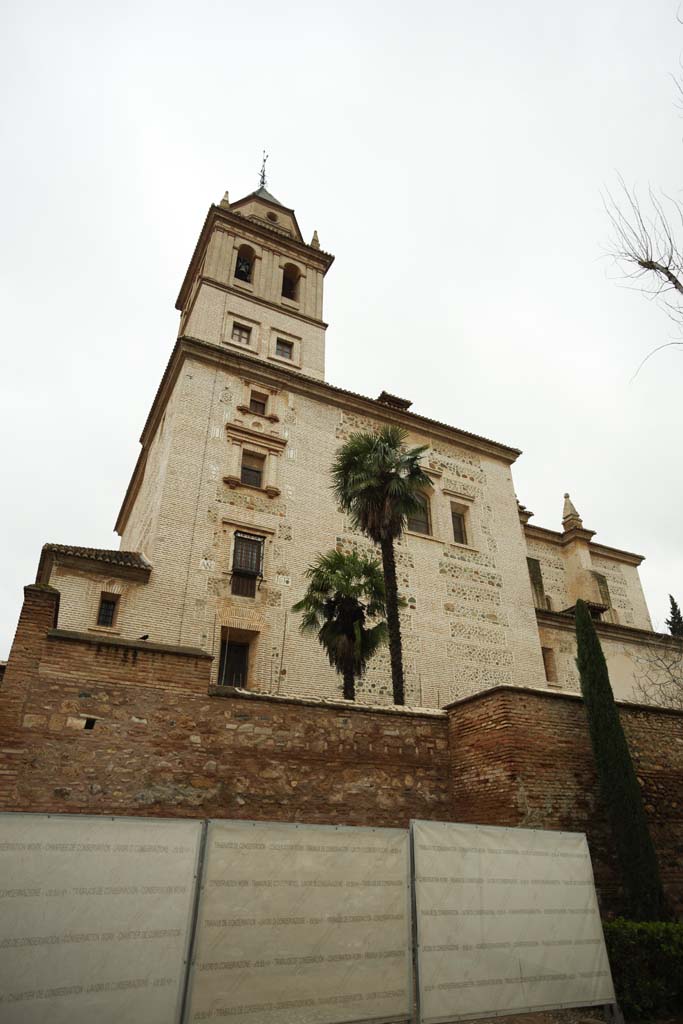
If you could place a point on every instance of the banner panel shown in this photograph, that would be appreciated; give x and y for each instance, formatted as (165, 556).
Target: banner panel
(303, 924)
(94, 917)
(507, 921)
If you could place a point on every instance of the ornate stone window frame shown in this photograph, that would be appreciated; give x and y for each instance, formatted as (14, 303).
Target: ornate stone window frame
(243, 438)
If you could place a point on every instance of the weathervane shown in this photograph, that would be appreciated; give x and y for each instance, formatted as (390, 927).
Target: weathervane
(262, 178)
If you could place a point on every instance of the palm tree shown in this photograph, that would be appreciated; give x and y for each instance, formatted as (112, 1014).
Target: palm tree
(379, 482)
(344, 591)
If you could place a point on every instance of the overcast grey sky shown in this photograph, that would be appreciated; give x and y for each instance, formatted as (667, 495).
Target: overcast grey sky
(452, 156)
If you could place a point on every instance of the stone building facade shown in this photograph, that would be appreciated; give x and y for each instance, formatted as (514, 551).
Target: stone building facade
(230, 502)
(170, 677)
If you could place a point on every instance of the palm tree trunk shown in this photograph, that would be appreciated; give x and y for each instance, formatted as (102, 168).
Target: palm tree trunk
(393, 624)
(349, 685)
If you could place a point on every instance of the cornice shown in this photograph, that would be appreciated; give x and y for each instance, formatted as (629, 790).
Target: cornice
(258, 300)
(244, 226)
(563, 539)
(279, 377)
(272, 442)
(93, 566)
(610, 630)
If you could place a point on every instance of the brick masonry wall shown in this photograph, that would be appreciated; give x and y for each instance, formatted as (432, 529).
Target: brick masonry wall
(163, 746)
(165, 743)
(523, 758)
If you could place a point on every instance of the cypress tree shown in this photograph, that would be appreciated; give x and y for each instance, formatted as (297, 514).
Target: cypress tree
(618, 783)
(675, 621)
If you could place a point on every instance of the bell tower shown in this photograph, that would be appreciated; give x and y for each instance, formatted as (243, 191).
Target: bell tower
(254, 285)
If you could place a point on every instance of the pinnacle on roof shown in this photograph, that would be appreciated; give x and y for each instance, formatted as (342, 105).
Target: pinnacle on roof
(571, 520)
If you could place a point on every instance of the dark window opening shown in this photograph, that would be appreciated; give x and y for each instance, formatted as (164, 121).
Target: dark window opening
(284, 349)
(418, 521)
(241, 334)
(107, 610)
(252, 469)
(549, 664)
(605, 596)
(290, 282)
(234, 664)
(458, 520)
(244, 264)
(536, 578)
(258, 403)
(90, 723)
(247, 564)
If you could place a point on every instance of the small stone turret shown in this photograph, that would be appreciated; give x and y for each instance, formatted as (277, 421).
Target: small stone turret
(571, 520)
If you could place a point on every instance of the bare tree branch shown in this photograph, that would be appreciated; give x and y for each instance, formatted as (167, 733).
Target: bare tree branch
(649, 250)
(660, 674)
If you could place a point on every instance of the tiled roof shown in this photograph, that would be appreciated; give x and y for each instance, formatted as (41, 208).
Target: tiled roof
(132, 559)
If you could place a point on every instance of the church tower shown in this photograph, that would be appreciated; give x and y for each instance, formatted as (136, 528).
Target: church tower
(255, 286)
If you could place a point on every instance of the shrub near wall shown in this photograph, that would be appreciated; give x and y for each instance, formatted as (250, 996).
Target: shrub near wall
(646, 958)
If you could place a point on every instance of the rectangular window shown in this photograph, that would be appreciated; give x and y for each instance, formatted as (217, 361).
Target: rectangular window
(241, 334)
(247, 564)
(418, 522)
(252, 469)
(458, 520)
(549, 664)
(234, 664)
(536, 578)
(258, 403)
(284, 349)
(107, 610)
(605, 596)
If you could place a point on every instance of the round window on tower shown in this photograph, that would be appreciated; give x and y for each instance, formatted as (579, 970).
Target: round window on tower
(272, 216)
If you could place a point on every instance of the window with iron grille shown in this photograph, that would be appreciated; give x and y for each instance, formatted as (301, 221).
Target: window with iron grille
(258, 403)
(241, 334)
(458, 520)
(536, 578)
(605, 596)
(247, 564)
(252, 469)
(418, 521)
(284, 349)
(107, 610)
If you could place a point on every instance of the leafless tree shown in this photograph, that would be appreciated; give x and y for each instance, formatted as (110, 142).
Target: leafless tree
(647, 244)
(660, 674)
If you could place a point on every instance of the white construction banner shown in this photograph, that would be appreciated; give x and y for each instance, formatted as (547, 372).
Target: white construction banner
(94, 918)
(507, 921)
(303, 924)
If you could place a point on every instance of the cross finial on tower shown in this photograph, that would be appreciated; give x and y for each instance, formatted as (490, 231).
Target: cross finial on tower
(262, 177)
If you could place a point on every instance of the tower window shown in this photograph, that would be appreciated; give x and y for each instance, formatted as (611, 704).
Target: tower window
(247, 564)
(290, 282)
(458, 520)
(106, 614)
(258, 403)
(244, 264)
(418, 521)
(241, 334)
(252, 469)
(284, 349)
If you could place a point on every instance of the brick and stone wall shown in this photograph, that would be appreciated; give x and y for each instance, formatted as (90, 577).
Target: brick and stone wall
(162, 741)
(523, 758)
